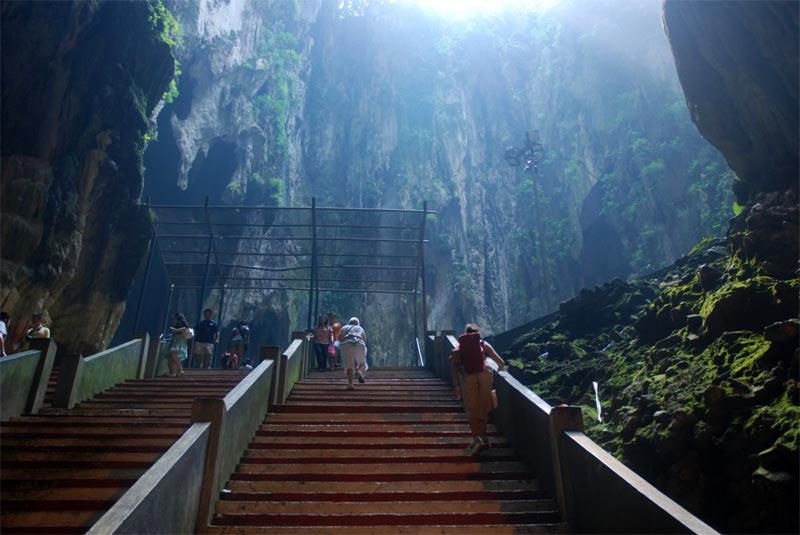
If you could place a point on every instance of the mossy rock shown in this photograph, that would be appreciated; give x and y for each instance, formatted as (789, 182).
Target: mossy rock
(749, 305)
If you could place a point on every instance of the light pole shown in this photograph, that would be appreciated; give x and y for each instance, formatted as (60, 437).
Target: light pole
(532, 154)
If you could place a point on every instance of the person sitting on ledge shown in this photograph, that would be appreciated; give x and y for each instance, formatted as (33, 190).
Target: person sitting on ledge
(468, 364)
(37, 330)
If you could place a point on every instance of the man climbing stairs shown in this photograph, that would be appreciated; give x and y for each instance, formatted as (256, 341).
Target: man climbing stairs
(387, 457)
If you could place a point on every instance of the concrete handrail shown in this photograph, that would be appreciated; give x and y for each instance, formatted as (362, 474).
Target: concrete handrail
(234, 421)
(166, 498)
(626, 504)
(83, 377)
(17, 380)
(595, 492)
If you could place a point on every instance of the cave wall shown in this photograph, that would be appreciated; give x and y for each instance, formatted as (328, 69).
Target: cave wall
(738, 64)
(79, 82)
(376, 104)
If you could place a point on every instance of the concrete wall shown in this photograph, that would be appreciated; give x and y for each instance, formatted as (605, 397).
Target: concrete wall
(81, 378)
(595, 492)
(17, 379)
(166, 498)
(234, 421)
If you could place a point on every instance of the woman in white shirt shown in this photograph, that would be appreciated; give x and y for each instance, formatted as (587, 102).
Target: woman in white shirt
(353, 346)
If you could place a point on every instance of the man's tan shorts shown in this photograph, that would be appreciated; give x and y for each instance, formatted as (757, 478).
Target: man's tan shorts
(202, 349)
(476, 389)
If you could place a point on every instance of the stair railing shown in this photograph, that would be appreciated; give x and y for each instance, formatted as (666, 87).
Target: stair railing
(595, 492)
(420, 358)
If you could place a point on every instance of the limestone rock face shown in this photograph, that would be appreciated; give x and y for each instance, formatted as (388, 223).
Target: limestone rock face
(738, 65)
(79, 80)
(384, 105)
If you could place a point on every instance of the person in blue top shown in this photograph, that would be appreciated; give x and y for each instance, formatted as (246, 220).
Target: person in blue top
(206, 334)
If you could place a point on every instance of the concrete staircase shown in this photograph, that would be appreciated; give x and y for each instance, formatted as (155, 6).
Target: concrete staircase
(386, 457)
(61, 469)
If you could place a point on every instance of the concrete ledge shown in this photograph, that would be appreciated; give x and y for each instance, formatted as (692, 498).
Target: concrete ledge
(273, 354)
(291, 368)
(144, 336)
(234, 421)
(81, 378)
(165, 499)
(17, 380)
(605, 496)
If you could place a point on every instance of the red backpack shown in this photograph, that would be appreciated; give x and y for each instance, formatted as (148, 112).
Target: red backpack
(472, 356)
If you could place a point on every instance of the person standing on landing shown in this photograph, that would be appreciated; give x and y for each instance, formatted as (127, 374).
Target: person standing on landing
(206, 334)
(468, 364)
(323, 337)
(336, 326)
(176, 352)
(353, 345)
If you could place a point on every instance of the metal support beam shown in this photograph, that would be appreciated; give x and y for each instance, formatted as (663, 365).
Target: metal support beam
(306, 289)
(280, 238)
(202, 296)
(144, 284)
(166, 310)
(422, 267)
(284, 208)
(219, 324)
(313, 261)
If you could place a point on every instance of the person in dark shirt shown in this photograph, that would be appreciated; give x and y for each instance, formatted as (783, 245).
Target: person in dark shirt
(206, 334)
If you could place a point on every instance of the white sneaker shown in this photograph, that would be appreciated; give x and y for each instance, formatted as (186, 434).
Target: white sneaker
(474, 448)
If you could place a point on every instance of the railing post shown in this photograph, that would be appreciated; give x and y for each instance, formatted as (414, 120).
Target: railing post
(219, 325)
(144, 336)
(213, 411)
(201, 299)
(272, 353)
(313, 261)
(563, 418)
(71, 369)
(166, 310)
(144, 283)
(47, 356)
(422, 267)
(301, 335)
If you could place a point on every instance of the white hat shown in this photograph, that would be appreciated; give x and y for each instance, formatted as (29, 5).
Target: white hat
(353, 321)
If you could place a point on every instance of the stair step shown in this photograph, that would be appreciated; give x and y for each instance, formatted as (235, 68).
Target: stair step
(454, 519)
(346, 456)
(382, 487)
(376, 431)
(61, 494)
(181, 414)
(14, 520)
(314, 508)
(387, 496)
(366, 419)
(335, 469)
(368, 408)
(46, 457)
(482, 529)
(383, 442)
(120, 419)
(107, 442)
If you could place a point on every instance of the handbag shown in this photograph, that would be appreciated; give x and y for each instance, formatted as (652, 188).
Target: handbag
(188, 333)
(331, 350)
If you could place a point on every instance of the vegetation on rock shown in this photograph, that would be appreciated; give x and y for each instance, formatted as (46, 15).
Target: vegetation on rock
(697, 373)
